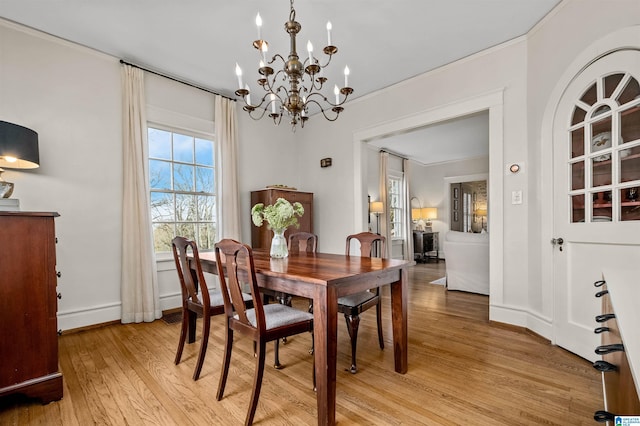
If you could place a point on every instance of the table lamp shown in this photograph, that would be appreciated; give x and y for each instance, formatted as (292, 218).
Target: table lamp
(18, 150)
(416, 214)
(482, 213)
(429, 214)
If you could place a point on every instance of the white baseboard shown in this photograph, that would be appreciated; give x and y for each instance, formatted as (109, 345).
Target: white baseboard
(171, 301)
(522, 318)
(69, 320)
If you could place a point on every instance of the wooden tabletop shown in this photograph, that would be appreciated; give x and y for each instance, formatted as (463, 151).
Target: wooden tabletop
(316, 268)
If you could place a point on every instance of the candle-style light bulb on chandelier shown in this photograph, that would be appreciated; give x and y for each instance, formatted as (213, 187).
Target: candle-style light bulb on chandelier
(305, 81)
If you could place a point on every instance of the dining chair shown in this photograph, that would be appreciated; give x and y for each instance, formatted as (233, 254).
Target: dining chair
(302, 241)
(262, 323)
(204, 304)
(355, 304)
(296, 243)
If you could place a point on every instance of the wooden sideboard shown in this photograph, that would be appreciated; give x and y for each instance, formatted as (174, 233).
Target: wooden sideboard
(620, 347)
(261, 236)
(28, 306)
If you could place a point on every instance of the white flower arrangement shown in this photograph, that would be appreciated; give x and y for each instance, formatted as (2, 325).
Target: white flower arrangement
(280, 215)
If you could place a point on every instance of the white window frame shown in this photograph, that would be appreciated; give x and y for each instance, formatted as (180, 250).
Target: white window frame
(198, 223)
(396, 205)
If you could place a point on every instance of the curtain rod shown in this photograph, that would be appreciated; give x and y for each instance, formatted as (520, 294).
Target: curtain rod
(395, 154)
(175, 79)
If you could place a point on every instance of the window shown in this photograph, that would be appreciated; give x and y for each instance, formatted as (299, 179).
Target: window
(603, 146)
(396, 207)
(181, 180)
(468, 212)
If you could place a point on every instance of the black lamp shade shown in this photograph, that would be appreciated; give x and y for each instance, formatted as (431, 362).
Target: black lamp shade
(20, 143)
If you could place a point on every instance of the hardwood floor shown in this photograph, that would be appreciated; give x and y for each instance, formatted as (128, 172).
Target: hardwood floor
(462, 370)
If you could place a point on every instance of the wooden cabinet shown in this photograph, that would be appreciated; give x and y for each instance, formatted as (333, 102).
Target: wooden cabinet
(261, 236)
(28, 306)
(424, 245)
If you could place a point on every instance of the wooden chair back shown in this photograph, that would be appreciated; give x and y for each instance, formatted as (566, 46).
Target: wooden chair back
(235, 267)
(368, 241)
(188, 277)
(303, 241)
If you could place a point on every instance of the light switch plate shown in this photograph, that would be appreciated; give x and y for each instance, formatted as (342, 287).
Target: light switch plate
(516, 197)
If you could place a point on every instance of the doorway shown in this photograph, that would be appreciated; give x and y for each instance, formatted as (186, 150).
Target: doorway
(493, 103)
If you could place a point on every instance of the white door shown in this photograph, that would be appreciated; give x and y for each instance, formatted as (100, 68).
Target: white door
(596, 137)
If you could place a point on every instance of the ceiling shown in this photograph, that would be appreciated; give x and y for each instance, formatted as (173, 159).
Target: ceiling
(199, 41)
(452, 140)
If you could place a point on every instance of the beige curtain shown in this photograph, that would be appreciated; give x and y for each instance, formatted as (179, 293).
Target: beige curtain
(407, 246)
(384, 182)
(227, 201)
(139, 283)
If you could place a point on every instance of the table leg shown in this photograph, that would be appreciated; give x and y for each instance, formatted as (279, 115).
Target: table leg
(399, 319)
(325, 328)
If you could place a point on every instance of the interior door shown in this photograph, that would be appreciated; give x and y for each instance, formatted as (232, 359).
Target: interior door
(596, 137)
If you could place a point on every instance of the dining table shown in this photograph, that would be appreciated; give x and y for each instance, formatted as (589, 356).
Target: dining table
(323, 278)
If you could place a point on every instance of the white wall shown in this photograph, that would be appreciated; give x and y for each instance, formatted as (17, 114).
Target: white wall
(526, 69)
(71, 96)
(268, 155)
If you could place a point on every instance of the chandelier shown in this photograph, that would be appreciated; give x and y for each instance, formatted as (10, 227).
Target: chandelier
(296, 87)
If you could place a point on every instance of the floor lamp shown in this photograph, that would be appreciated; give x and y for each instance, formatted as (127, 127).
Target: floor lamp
(376, 207)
